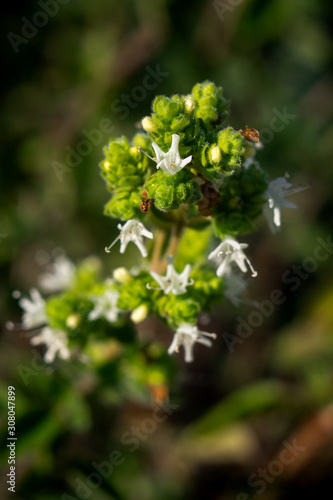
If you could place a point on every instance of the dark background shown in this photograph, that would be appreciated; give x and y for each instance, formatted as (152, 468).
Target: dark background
(267, 55)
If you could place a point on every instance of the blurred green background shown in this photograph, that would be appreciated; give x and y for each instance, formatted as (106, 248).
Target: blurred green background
(235, 410)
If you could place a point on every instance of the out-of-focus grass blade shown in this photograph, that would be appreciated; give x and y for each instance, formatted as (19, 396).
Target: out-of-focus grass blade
(249, 400)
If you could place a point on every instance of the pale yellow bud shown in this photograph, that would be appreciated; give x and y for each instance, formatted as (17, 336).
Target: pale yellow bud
(189, 104)
(215, 154)
(139, 314)
(106, 165)
(121, 275)
(148, 125)
(134, 150)
(73, 321)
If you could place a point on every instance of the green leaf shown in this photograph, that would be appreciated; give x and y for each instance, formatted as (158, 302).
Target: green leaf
(245, 402)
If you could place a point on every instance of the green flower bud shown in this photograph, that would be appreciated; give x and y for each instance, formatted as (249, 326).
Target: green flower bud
(125, 204)
(169, 191)
(241, 201)
(210, 103)
(134, 293)
(207, 287)
(124, 171)
(69, 312)
(225, 156)
(172, 115)
(178, 309)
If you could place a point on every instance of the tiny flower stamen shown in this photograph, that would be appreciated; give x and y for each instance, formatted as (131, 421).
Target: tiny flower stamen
(144, 152)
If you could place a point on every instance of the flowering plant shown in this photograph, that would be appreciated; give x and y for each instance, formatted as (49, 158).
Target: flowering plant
(187, 179)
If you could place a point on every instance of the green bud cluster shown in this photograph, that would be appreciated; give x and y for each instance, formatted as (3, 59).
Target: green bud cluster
(169, 191)
(69, 312)
(134, 292)
(223, 156)
(210, 104)
(241, 201)
(173, 115)
(174, 309)
(207, 287)
(216, 150)
(124, 170)
(178, 309)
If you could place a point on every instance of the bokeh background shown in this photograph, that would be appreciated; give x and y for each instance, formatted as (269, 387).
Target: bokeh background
(235, 410)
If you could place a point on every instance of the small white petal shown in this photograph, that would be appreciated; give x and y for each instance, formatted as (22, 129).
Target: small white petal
(173, 282)
(55, 342)
(170, 162)
(59, 276)
(276, 194)
(105, 306)
(134, 231)
(231, 251)
(34, 314)
(187, 335)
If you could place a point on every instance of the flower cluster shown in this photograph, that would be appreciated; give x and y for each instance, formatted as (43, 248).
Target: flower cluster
(188, 178)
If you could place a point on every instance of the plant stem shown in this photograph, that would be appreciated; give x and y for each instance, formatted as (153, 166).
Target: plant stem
(159, 241)
(174, 240)
(158, 264)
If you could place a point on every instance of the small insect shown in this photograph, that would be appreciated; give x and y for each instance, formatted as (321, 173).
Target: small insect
(145, 203)
(250, 134)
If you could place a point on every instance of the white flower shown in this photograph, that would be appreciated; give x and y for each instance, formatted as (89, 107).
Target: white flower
(187, 335)
(134, 231)
(170, 162)
(231, 251)
(55, 342)
(59, 277)
(276, 194)
(173, 282)
(34, 314)
(105, 306)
